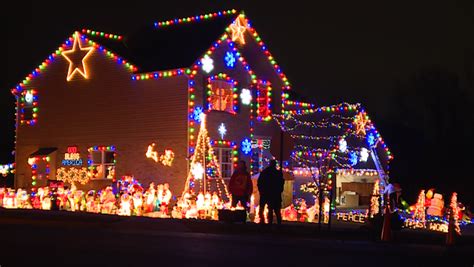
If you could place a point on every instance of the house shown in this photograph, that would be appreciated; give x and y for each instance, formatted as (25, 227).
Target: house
(103, 105)
(88, 108)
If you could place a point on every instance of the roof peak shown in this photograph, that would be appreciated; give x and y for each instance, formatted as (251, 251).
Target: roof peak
(161, 24)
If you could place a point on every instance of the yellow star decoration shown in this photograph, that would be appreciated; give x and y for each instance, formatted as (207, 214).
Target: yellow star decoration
(76, 57)
(361, 122)
(238, 29)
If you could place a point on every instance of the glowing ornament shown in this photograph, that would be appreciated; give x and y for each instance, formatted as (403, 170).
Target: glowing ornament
(246, 146)
(167, 158)
(76, 57)
(342, 145)
(229, 59)
(197, 113)
(353, 158)
(246, 96)
(364, 154)
(197, 170)
(207, 64)
(238, 29)
(222, 130)
(29, 97)
(361, 122)
(371, 139)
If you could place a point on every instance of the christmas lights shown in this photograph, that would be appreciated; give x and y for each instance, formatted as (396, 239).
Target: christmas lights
(229, 59)
(6, 169)
(28, 102)
(222, 93)
(33, 162)
(246, 146)
(102, 34)
(194, 18)
(361, 120)
(245, 96)
(238, 28)
(222, 130)
(264, 100)
(207, 64)
(73, 175)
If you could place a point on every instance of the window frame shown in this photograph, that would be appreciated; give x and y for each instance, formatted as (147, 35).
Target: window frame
(102, 163)
(230, 92)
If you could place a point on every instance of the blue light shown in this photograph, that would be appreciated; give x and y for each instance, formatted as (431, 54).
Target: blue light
(197, 113)
(371, 139)
(353, 158)
(229, 59)
(246, 146)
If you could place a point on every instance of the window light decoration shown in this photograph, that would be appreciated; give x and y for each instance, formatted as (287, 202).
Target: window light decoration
(33, 162)
(76, 57)
(207, 64)
(264, 93)
(245, 96)
(28, 102)
(222, 93)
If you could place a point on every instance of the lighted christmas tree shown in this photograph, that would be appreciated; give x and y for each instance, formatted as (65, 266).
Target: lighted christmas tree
(419, 213)
(455, 211)
(374, 200)
(205, 174)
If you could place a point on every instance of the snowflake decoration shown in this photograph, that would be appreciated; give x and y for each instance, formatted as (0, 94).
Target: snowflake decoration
(207, 64)
(353, 158)
(246, 146)
(198, 111)
(29, 97)
(222, 130)
(342, 145)
(371, 139)
(197, 170)
(246, 96)
(364, 154)
(229, 59)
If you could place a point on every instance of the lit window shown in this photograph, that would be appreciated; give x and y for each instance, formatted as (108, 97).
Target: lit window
(221, 97)
(28, 107)
(224, 157)
(102, 163)
(263, 101)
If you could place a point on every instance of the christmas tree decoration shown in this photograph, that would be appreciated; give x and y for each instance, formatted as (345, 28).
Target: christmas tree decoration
(207, 64)
(222, 130)
(76, 57)
(229, 59)
(238, 28)
(420, 214)
(246, 146)
(205, 168)
(245, 96)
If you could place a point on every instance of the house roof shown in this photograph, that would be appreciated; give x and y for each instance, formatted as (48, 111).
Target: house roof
(319, 129)
(165, 45)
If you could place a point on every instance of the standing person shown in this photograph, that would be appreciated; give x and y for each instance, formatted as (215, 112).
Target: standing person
(270, 186)
(390, 196)
(240, 185)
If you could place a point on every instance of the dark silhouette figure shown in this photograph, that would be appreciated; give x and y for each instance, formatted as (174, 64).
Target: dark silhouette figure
(240, 185)
(270, 186)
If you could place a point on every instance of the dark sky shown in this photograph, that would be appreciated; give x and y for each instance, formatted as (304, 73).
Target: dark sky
(410, 63)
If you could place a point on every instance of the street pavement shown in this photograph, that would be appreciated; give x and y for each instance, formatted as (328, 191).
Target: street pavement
(49, 238)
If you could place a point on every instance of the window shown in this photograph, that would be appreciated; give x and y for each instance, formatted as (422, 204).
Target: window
(263, 101)
(221, 96)
(260, 154)
(28, 107)
(102, 164)
(224, 157)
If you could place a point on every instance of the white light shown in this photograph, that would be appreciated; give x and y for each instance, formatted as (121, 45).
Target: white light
(29, 97)
(246, 96)
(197, 170)
(222, 130)
(207, 64)
(342, 145)
(364, 154)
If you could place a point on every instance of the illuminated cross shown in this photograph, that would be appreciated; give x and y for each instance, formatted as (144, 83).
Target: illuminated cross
(76, 57)
(238, 30)
(361, 122)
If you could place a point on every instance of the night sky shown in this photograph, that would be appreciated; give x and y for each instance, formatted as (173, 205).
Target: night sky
(410, 64)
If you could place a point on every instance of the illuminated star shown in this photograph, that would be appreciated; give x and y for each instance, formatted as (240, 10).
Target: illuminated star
(76, 57)
(222, 130)
(361, 123)
(238, 30)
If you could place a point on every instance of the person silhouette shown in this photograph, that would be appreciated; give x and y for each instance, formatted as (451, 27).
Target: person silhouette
(270, 186)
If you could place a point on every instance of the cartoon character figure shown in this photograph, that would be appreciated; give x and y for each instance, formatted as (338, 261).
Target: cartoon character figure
(125, 205)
